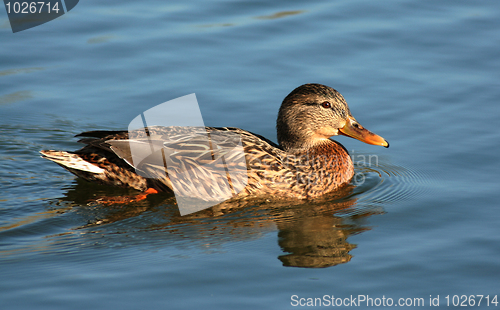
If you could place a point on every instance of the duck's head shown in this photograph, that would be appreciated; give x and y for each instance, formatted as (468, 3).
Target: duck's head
(312, 113)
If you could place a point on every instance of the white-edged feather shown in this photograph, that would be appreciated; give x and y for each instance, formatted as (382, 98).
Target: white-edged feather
(72, 161)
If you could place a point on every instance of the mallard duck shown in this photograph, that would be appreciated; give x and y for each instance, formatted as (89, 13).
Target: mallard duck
(306, 162)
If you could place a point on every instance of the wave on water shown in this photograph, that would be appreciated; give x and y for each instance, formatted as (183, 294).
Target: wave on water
(382, 182)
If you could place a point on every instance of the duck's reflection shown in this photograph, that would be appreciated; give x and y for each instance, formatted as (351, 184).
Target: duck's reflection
(318, 241)
(310, 234)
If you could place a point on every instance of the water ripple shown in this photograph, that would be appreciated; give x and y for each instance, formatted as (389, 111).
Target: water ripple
(388, 183)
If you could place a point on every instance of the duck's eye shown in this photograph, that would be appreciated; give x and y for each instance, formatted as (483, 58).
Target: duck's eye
(326, 105)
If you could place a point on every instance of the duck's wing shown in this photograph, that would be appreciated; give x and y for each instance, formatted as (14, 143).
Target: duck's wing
(201, 144)
(209, 160)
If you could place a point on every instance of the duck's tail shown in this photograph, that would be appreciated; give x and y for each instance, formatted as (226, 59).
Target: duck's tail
(72, 162)
(108, 173)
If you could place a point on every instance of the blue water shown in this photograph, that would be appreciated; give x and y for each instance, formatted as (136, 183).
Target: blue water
(425, 221)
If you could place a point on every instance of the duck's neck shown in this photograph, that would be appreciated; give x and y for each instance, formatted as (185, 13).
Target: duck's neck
(320, 147)
(329, 156)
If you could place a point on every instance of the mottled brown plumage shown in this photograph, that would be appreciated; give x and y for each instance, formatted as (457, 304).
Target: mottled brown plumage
(305, 164)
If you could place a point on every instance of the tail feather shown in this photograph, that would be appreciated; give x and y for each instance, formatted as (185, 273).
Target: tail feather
(71, 161)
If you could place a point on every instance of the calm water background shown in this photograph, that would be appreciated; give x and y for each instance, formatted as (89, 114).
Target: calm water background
(422, 74)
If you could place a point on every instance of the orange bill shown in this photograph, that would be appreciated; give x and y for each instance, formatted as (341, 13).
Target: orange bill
(354, 130)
